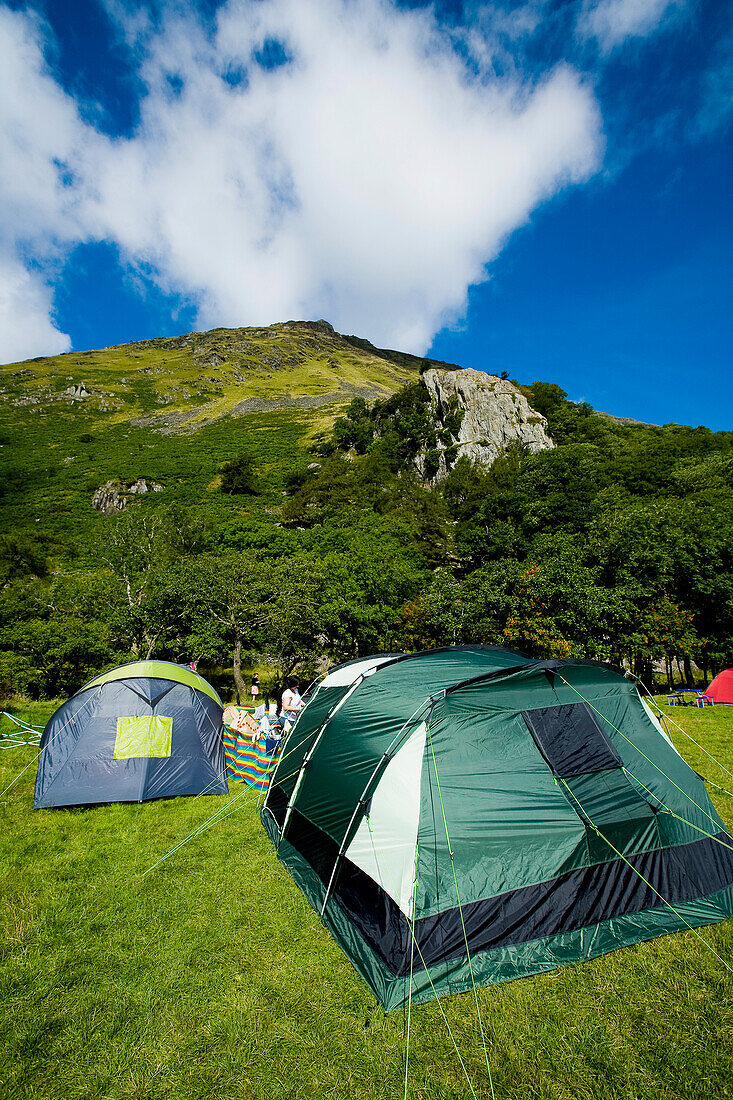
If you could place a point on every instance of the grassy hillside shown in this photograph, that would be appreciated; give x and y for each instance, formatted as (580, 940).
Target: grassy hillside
(172, 410)
(329, 540)
(212, 976)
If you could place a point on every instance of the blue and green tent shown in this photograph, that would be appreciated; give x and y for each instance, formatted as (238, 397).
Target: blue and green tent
(146, 730)
(467, 816)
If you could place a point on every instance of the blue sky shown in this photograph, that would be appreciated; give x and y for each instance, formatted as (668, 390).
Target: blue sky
(541, 187)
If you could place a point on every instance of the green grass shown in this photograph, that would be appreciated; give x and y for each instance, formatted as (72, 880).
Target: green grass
(212, 976)
(56, 497)
(155, 376)
(27, 710)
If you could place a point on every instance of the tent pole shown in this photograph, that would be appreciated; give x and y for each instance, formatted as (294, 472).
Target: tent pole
(409, 997)
(365, 795)
(307, 758)
(668, 718)
(636, 747)
(460, 911)
(411, 925)
(415, 945)
(711, 836)
(44, 747)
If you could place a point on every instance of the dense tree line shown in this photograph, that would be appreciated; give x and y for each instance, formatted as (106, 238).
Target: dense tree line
(617, 544)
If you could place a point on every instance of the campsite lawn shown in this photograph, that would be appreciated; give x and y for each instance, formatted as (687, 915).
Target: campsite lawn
(212, 977)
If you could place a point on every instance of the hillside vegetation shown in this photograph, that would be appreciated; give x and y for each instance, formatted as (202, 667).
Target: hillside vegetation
(297, 519)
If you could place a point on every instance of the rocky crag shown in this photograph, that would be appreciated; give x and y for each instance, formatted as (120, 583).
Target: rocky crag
(114, 496)
(494, 415)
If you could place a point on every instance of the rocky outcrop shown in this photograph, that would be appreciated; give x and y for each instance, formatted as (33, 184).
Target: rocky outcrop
(77, 391)
(114, 496)
(494, 415)
(324, 327)
(73, 394)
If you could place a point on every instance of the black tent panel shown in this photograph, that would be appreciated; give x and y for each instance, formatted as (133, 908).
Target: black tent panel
(571, 740)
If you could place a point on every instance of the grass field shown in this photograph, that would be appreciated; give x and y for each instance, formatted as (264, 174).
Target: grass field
(212, 977)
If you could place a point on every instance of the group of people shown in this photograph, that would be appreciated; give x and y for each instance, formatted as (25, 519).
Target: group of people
(267, 723)
(291, 702)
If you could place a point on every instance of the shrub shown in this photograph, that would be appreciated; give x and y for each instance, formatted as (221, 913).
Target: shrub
(239, 475)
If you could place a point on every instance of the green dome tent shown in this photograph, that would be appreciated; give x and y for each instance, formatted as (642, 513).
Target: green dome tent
(467, 816)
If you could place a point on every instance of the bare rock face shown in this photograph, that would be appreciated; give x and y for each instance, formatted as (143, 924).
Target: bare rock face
(495, 414)
(114, 496)
(77, 392)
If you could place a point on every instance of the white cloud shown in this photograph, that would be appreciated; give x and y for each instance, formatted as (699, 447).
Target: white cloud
(26, 327)
(613, 22)
(42, 197)
(370, 180)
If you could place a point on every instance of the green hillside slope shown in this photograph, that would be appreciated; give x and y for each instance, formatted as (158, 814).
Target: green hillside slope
(172, 410)
(325, 541)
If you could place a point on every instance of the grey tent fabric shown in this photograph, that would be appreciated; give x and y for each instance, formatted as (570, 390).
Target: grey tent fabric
(153, 733)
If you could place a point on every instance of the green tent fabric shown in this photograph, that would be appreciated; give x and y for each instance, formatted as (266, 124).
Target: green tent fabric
(468, 815)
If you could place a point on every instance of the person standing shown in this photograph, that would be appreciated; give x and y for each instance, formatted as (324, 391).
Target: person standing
(255, 689)
(292, 704)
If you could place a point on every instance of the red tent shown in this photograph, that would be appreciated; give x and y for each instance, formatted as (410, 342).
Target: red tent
(721, 689)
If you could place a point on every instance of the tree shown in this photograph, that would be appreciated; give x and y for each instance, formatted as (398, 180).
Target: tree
(661, 630)
(222, 607)
(438, 616)
(673, 553)
(54, 635)
(21, 556)
(239, 475)
(238, 604)
(491, 507)
(291, 629)
(142, 549)
(366, 582)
